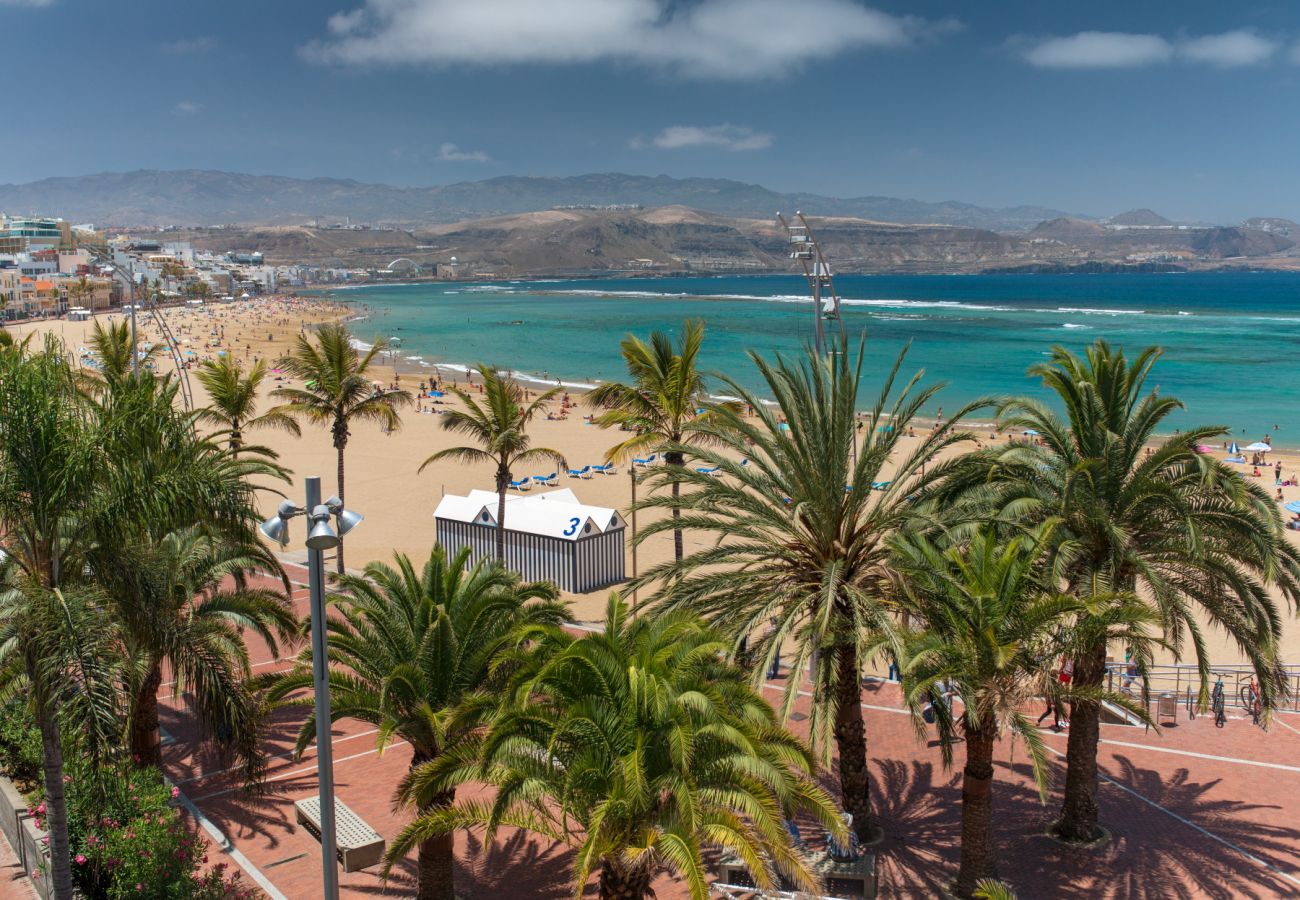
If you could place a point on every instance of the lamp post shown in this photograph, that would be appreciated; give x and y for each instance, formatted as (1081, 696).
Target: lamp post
(321, 536)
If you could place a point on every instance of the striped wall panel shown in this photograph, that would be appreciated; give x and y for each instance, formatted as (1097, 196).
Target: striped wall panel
(586, 564)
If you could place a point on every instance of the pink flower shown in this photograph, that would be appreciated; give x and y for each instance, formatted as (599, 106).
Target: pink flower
(139, 886)
(176, 792)
(81, 860)
(36, 873)
(41, 809)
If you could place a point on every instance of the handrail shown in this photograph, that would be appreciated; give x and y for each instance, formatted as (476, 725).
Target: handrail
(1182, 679)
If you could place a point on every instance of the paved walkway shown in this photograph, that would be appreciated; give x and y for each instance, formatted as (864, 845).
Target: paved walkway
(1195, 811)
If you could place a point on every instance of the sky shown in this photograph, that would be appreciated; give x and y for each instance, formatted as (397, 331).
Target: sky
(1186, 107)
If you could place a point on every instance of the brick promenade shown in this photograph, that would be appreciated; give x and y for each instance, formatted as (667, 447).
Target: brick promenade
(1195, 811)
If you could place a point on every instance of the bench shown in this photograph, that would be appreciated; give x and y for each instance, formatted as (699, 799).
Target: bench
(358, 845)
(841, 878)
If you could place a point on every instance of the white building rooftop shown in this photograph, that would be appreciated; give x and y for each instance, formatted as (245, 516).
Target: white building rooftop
(557, 514)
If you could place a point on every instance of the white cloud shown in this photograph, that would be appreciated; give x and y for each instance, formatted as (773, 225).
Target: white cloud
(452, 153)
(186, 108)
(706, 39)
(187, 46)
(726, 137)
(32, 3)
(1119, 50)
(1097, 50)
(1242, 47)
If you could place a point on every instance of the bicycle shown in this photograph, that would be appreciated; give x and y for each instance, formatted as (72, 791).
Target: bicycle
(1217, 704)
(1252, 701)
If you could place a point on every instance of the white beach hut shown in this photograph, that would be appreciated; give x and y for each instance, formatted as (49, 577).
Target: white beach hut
(549, 537)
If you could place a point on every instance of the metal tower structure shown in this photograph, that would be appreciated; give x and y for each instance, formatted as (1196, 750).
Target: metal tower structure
(821, 284)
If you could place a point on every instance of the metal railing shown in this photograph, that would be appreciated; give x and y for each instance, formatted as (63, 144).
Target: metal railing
(1183, 680)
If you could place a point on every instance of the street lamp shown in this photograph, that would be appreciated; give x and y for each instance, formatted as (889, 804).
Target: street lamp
(322, 535)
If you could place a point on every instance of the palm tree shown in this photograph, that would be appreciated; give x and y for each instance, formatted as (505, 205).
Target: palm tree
(49, 469)
(415, 653)
(989, 617)
(112, 346)
(794, 545)
(232, 400)
(641, 745)
(1172, 526)
(183, 601)
(337, 391)
(661, 402)
(499, 425)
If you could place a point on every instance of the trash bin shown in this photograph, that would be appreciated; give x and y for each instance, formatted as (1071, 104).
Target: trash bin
(1166, 707)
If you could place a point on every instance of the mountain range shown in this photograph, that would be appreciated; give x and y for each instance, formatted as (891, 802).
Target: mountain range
(198, 197)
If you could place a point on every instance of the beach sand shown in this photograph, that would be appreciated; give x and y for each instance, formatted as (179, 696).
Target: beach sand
(381, 478)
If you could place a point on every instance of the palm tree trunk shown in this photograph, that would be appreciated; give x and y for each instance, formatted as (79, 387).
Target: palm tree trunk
(435, 860)
(851, 742)
(339, 550)
(976, 812)
(617, 883)
(1078, 821)
(503, 482)
(677, 460)
(56, 807)
(146, 741)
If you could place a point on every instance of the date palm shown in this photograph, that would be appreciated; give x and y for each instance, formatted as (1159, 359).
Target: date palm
(184, 602)
(1173, 526)
(641, 746)
(232, 400)
(337, 391)
(112, 346)
(50, 466)
(659, 404)
(499, 427)
(415, 653)
(989, 620)
(792, 544)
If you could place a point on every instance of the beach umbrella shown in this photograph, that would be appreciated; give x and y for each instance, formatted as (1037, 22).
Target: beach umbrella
(437, 394)
(1293, 507)
(1259, 447)
(1030, 432)
(1233, 449)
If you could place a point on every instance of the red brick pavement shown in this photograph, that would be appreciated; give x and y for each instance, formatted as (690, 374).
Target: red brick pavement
(1194, 811)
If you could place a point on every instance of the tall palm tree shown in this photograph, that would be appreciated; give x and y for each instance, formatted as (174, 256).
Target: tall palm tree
(642, 746)
(499, 426)
(1172, 526)
(989, 619)
(337, 391)
(660, 403)
(50, 466)
(232, 400)
(184, 602)
(416, 654)
(794, 545)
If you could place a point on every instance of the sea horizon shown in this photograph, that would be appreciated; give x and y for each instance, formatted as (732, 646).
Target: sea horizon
(1230, 340)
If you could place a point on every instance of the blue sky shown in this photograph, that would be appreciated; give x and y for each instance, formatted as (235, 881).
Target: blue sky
(1186, 107)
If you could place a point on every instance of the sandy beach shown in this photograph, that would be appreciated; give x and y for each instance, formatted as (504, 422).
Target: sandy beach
(382, 481)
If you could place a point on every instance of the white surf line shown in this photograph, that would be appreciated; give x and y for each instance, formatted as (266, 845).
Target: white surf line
(228, 847)
(303, 771)
(1190, 824)
(288, 755)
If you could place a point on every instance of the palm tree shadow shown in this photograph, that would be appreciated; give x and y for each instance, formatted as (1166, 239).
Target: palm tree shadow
(1151, 855)
(517, 865)
(919, 810)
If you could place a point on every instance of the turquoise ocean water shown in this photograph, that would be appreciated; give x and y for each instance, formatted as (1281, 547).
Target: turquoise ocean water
(1231, 340)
